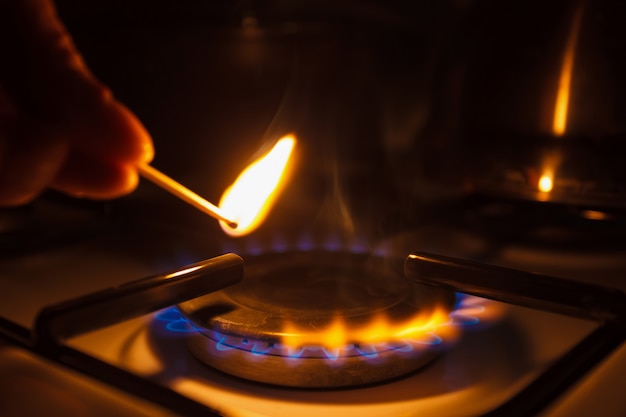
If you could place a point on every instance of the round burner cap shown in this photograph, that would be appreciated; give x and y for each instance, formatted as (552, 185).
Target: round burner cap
(241, 328)
(309, 290)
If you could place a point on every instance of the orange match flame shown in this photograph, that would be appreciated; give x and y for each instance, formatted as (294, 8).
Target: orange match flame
(249, 199)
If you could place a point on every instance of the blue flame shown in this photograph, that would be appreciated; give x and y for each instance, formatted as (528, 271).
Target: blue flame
(175, 321)
(222, 346)
(333, 244)
(358, 246)
(466, 309)
(279, 244)
(294, 353)
(461, 319)
(371, 353)
(306, 241)
(253, 247)
(383, 250)
(431, 339)
(405, 347)
(259, 349)
(465, 313)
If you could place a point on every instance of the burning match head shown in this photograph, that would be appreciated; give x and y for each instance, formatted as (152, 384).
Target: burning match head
(231, 224)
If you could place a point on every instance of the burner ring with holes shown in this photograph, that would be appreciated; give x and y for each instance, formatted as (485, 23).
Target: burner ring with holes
(241, 330)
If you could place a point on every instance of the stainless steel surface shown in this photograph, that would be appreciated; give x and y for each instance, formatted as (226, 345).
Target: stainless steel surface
(31, 385)
(61, 321)
(517, 287)
(484, 368)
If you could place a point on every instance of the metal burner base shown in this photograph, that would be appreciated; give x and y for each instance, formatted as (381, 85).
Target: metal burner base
(243, 330)
(314, 369)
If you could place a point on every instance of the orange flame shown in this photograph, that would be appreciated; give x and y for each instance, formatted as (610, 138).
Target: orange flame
(559, 122)
(248, 200)
(379, 330)
(545, 183)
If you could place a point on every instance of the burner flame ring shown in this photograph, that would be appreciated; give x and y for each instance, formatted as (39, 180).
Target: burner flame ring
(241, 330)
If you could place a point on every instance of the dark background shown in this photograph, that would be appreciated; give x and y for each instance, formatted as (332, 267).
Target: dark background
(215, 81)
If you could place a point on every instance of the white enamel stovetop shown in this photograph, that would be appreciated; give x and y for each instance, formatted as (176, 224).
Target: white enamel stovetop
(485, 367)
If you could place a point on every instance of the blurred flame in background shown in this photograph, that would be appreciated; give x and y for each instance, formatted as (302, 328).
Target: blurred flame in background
(545, 183)
(559, 123)
(563, 96)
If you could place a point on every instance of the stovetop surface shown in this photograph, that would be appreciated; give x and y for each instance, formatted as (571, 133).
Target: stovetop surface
(483, 370)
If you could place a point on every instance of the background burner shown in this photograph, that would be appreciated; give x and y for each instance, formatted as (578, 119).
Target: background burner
(263, 329)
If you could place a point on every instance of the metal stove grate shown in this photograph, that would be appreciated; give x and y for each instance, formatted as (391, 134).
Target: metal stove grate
(58, 322)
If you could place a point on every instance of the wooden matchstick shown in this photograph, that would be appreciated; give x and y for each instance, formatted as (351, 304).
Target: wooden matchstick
(177, 189)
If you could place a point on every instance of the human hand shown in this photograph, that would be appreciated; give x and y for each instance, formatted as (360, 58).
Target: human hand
(60, 127)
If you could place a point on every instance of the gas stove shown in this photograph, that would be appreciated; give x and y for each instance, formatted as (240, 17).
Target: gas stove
(451, 244)
(82, 332)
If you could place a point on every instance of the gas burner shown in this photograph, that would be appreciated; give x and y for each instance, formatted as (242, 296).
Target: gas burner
(319, 319)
